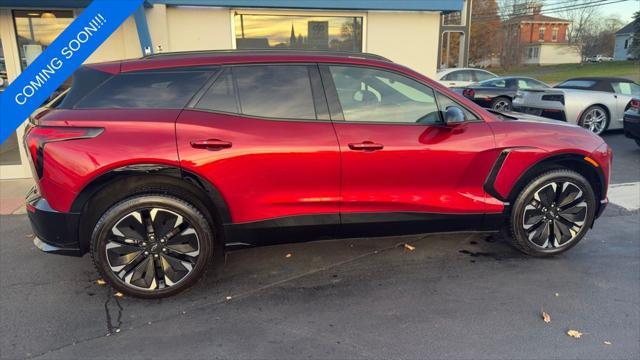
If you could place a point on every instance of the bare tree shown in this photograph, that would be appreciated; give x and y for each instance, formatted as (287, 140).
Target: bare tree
(584, 24)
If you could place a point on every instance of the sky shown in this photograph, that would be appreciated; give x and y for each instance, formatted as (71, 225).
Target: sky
(623, 9)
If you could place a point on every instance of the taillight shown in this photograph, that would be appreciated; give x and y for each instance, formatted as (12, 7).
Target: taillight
(36, 137)
(634, 104)
(470, 93)
(558, 98)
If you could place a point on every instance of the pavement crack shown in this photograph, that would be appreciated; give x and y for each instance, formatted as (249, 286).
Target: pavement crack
(111, 328)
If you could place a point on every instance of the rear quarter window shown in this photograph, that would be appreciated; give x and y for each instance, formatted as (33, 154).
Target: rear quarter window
(158, 90)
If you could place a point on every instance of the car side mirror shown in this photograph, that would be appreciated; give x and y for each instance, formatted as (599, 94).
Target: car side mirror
(453, 115)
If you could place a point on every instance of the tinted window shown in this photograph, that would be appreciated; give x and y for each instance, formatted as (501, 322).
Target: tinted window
(221, 95)
(445, 102)
(483, 75)
(275, 91)
(532, 84)
(168, 90)
(496, 83)
(373, 95)
(577, 83)
(460, 75)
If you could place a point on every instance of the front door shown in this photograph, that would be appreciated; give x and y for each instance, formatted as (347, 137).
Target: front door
(261, 135)
(399, 161)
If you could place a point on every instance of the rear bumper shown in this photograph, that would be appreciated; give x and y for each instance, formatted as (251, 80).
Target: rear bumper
(632, 126)
(554, 114)
(55, 232)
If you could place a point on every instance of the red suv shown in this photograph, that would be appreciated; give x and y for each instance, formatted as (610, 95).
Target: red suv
(156, 166)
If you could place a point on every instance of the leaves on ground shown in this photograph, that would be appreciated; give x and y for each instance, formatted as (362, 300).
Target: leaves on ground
(101, 282)
(288, 255)
(228, 298)
(575, 334)
(606, 342)
(118, 294)
(546, 317)
(409, 247)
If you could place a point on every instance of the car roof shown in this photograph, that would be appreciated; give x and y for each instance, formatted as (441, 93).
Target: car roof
(448, 70)
(599, 78)
(220, 57)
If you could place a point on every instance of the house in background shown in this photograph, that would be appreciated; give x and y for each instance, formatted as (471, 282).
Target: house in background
(624, 38)
(538, 39)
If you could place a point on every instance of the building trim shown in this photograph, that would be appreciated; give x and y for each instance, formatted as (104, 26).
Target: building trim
(143, 31)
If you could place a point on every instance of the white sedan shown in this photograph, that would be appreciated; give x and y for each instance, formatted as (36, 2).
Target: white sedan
(462, 77)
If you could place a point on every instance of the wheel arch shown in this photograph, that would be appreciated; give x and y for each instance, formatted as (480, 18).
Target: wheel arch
(603, 106)
(117, 184)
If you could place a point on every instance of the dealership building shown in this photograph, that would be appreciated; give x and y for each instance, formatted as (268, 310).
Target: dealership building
(421, 34)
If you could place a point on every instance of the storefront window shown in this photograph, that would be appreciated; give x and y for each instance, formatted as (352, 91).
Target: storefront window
(298, 32)
(9, 151)
(37, 29)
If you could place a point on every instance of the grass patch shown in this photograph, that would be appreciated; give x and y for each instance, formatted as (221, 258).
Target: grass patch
(553, 74)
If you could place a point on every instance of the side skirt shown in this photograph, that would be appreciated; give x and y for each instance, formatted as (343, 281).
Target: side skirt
(332, 226)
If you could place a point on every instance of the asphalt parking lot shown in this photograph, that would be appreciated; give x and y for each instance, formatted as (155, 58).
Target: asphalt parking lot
(458, 296)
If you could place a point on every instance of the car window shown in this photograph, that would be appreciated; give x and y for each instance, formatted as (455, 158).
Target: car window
(626, 88)
(372, 95)
(158, 90)
(276, 91)
(495, 83)
(483, 75)
(460, 75)
(221, 95)
(577, 84)
(444, 102)
(533, 84)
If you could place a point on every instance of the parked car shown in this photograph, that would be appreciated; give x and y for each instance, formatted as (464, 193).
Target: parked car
(461, 77)
(631, 122)
(595, 103)
(599, 58)
(498, 93)
(156, 166)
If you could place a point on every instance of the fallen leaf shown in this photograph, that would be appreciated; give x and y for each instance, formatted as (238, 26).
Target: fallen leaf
(118, 294)
(409, 247)
(607, 342)
(118, 330)
(288, 255)
(557, 294)
(29, 236)
(101, 282)
(228, 298)
(546, 317)
(575, 334)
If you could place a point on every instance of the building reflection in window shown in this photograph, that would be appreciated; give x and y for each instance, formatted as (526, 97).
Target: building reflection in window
(335, 33)
(37, 29)
(9, 151)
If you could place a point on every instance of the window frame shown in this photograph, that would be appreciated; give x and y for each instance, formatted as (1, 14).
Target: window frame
(320, 104)
(335, 107)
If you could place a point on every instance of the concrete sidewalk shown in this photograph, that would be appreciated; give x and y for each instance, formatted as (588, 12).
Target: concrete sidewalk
(12, 194)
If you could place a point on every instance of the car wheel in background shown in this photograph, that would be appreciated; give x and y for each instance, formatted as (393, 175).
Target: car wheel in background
(152, 246)
(501, 104)
(595, 119)
(552, 213)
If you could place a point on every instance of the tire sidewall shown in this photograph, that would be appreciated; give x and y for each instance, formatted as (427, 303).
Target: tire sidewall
(181, 207)
(527, 194)
(500, 98)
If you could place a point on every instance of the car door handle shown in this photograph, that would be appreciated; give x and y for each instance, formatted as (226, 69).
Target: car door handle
(366, 146)
(211, 144)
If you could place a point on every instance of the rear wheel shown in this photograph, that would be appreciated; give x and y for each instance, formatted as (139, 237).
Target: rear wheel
(552, 213)
(501, 104)
(595, 119)
(152, 246)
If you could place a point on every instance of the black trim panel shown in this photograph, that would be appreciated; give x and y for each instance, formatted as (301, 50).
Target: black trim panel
(55, 232)
(493, 174)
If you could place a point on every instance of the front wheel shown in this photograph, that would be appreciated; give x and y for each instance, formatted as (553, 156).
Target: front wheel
(501, 104)
(152, 246)
(552, 213)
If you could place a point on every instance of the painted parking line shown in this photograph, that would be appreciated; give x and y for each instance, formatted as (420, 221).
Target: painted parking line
(625, 195)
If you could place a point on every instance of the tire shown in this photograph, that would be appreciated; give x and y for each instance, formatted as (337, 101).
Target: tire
(541, 207)
(595, 119)
(157, 263)
(501, 103)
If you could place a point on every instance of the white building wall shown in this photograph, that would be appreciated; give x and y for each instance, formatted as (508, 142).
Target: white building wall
(122, 44)
(407, 38)
(620, 52)
(198, 28)
(551, 54)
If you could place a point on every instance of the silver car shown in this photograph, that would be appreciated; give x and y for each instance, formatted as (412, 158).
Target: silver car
(595, 103)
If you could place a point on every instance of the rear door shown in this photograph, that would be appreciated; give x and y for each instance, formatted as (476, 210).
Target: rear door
(399, 161)
(261, 135)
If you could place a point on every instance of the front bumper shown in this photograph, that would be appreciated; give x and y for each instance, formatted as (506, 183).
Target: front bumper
(632, 126)
(55, 232)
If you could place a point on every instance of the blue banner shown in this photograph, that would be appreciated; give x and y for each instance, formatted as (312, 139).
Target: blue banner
(67, 52)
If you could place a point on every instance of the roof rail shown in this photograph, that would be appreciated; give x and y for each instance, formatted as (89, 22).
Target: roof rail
(269, 51)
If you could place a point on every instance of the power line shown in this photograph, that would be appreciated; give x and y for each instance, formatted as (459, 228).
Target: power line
(564, 8)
